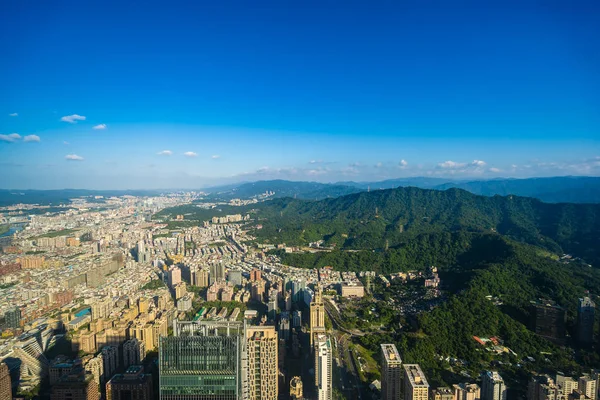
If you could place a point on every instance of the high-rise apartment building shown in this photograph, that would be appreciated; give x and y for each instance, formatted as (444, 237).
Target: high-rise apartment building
(132, 385)
(201, 361)
(442, 393)
(587, 386)
(110, 356)
(586, 313)
(391, 373)
(174, 276)
(466, 391)
(542, 387)
(255, 275)
(317, 315)
(5, 383)
(548, 320)
(199, 277)
(76, 386)
(492, 386)
(217, 273)
(235, 277)
(416, 386)
(262, 358)
(134, 352)
(565, 386)
(12, 318)
(323, 367)
(296, 392)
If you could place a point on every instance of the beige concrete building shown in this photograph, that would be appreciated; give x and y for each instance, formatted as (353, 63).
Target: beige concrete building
(317, 315)
(5, 383)
(415, 383)
(466, 391)
(323, 367)
(263, 373)
(352, 289)
(391, 373)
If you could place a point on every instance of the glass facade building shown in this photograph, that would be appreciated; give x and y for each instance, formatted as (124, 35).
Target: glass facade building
(202, 361)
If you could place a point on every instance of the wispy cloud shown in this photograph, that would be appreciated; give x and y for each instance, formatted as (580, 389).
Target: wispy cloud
(451, 164)
(495, 170)
(165, 153)
(31, 138)
(190, 154)
(73, 157)
(403, 164)
(13, 137)
(13, 115)
(72, 119)
(66, 143)
(99, 127)
(215, 156)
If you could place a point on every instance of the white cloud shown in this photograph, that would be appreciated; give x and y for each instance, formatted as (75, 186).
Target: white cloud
(478, 163)
(165, 153)
(493, 169)
(66, 143)
(451, 164)
(215, 156)
(402, 164)
(13, 115)
(31, 138)
(73, 157)
(72, 119)
(190, 154)
(13, 137)
(99, 127)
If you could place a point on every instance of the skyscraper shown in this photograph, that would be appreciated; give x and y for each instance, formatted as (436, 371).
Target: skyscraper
(262, 370)
(133, 384)
(323, 367)
(217, 273)
(391, 373)
(415, 383)
(585, 320)
(201, 361)
(492, 386)
(255, 275)
(317, 315)
(5, 383)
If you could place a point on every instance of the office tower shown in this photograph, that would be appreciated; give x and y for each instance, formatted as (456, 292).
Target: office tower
(134, 352)
(585, 320)
(391, 372)
(235, 277)
(201, 361)
(5, 383)
(12, 318)
(132, 385)
(34, 365)
(548, 320)
(110, 356)
(466, 391)
(587, 386)
(323, 367)
(317, 315)
(262, 371)
(296, 388)
(217, 273)
(442, 393)
(415, 383)
(255, 275)
(174, 276)
(492, 386)
(75, 386)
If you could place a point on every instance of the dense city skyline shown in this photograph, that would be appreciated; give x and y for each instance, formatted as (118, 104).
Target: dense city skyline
(115, 96)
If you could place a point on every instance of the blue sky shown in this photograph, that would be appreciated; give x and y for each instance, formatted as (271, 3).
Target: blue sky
(325, 91)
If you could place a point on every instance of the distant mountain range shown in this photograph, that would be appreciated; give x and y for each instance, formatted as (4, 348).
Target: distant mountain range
(567, 189)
